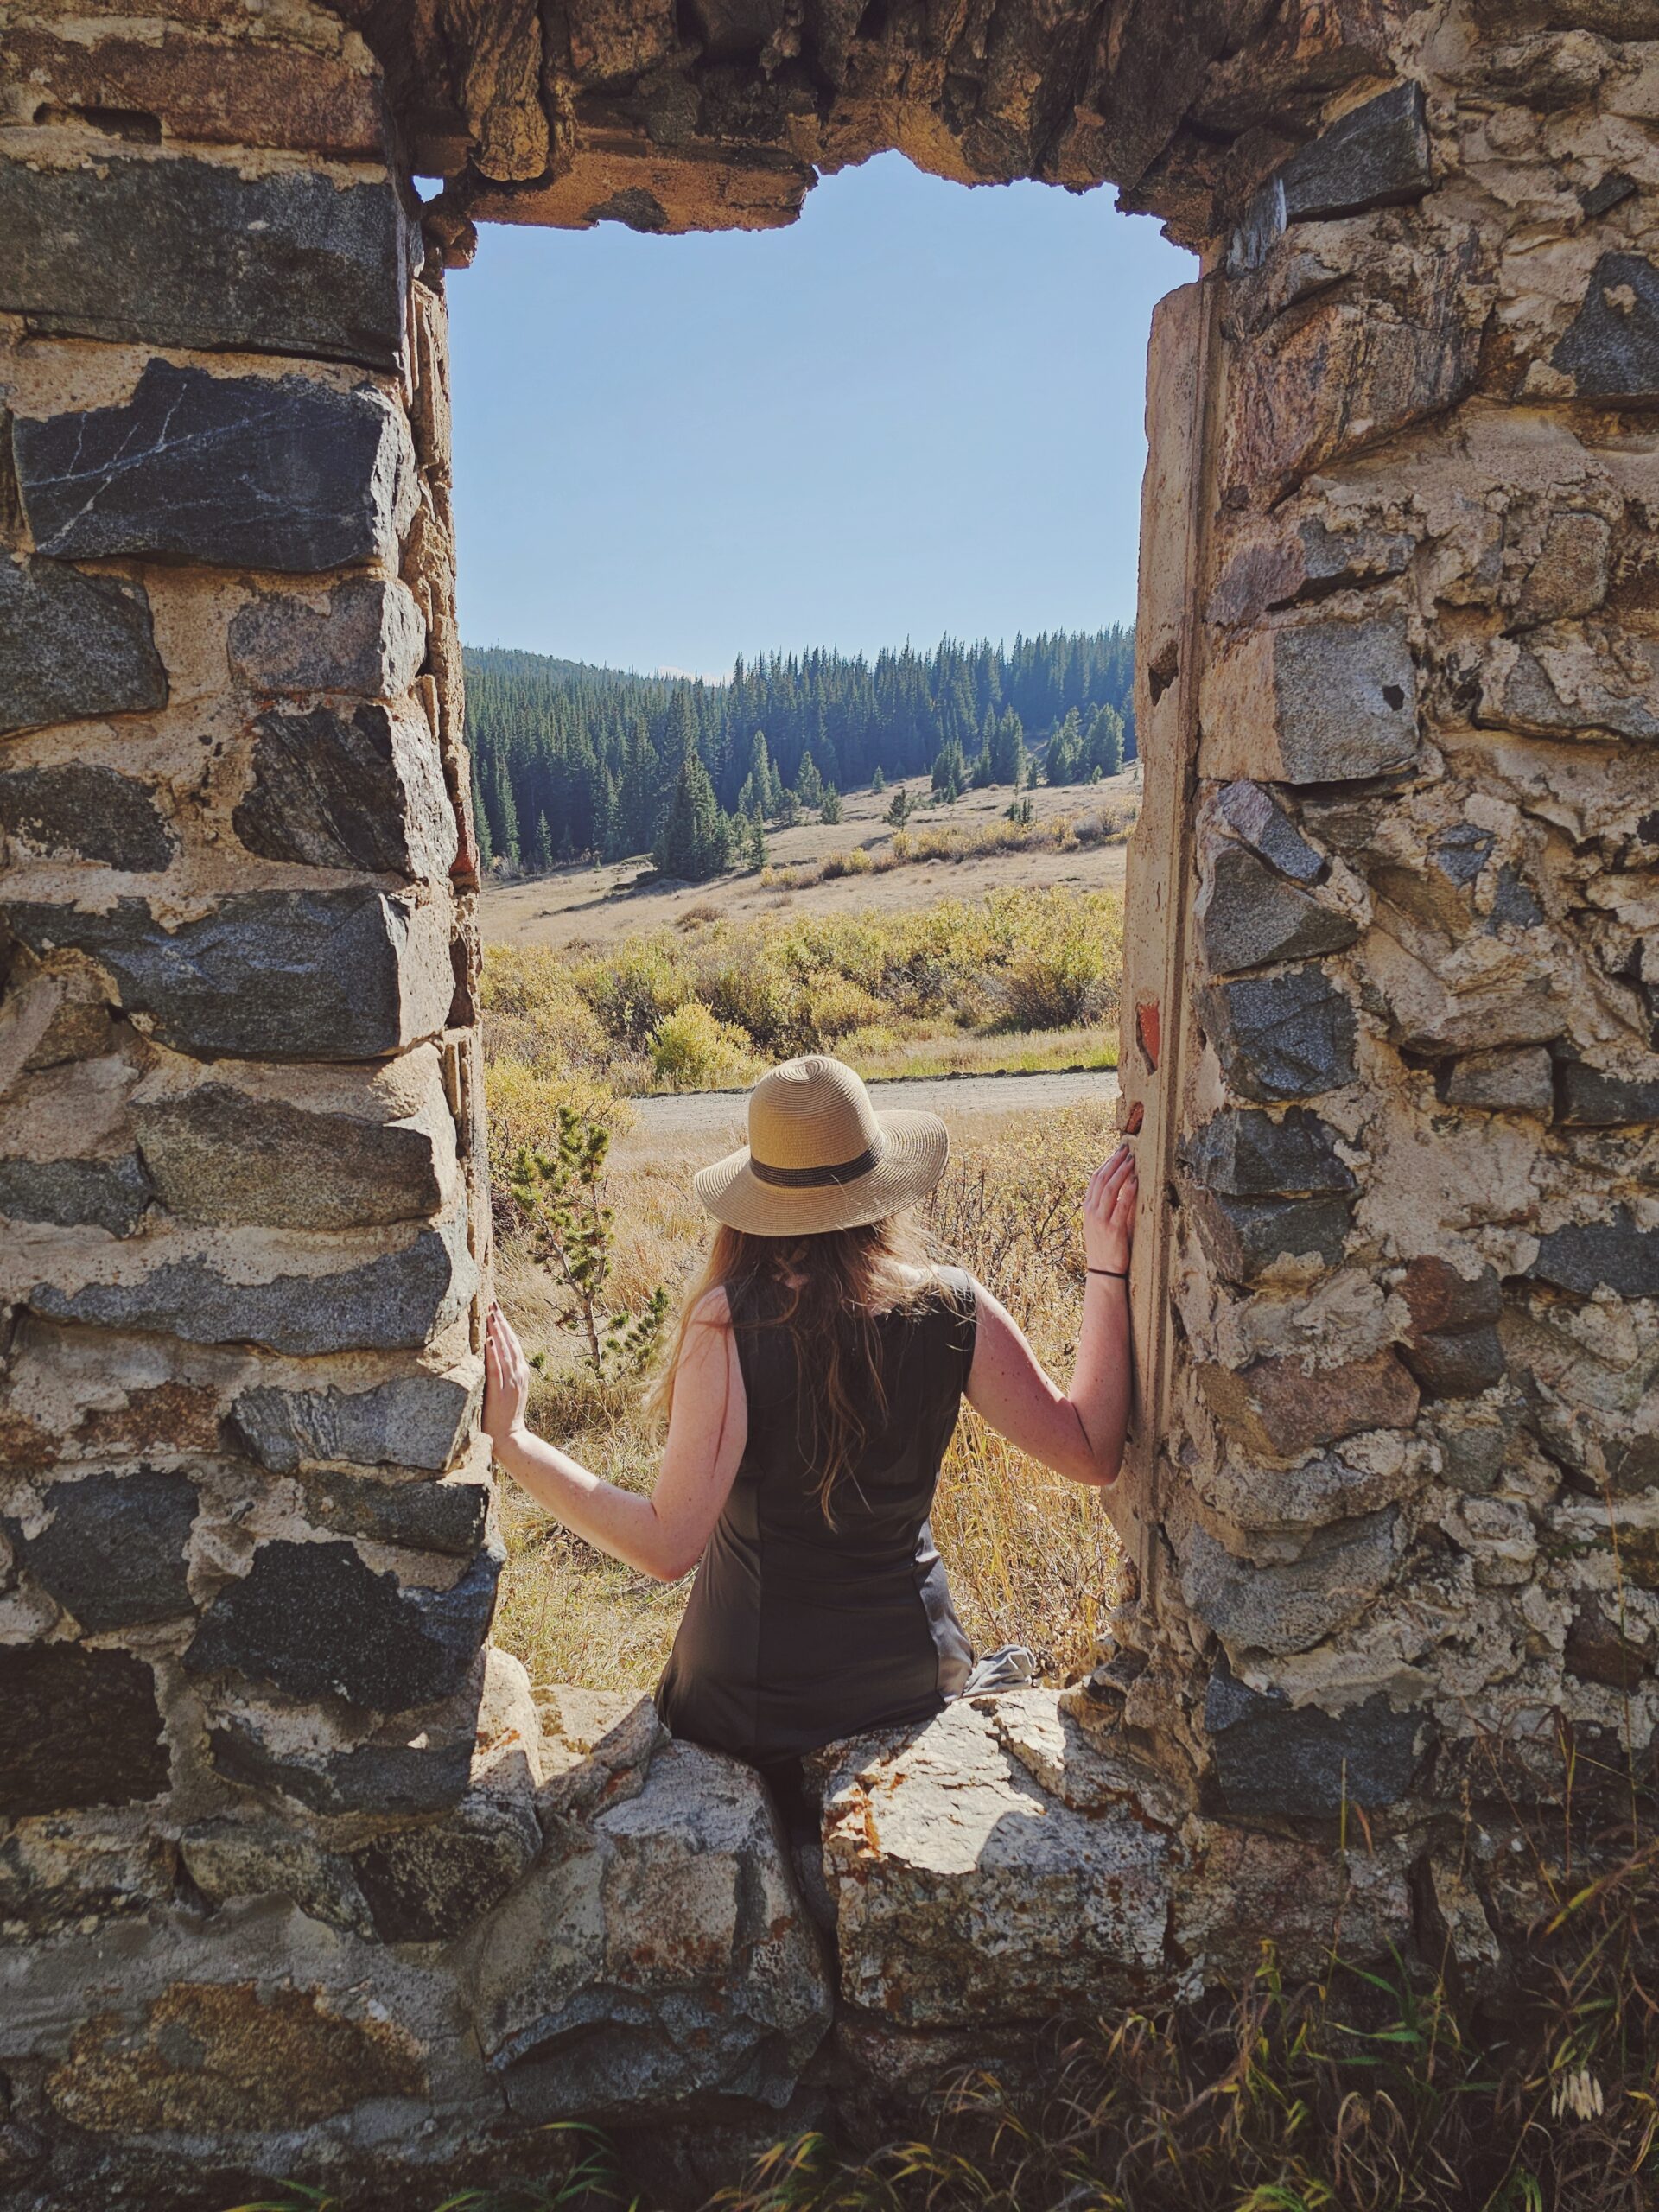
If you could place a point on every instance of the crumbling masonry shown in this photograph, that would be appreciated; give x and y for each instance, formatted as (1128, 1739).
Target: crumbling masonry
(299, 1879)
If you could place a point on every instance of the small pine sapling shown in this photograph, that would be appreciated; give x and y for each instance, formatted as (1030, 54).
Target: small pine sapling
(560, 1195)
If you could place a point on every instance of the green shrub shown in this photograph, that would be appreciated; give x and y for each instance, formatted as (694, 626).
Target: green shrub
(693, 1051)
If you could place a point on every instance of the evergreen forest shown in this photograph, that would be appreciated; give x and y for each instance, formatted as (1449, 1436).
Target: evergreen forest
(571, 760)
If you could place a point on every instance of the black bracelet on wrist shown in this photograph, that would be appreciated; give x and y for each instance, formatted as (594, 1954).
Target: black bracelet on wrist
(1110, 1273)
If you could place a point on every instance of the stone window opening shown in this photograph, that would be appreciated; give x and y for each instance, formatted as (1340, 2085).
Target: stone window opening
(325, 1861)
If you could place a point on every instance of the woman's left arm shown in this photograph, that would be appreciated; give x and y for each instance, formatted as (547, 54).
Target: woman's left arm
(662, 1535)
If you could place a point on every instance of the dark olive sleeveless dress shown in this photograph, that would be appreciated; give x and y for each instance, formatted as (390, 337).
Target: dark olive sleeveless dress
(797, 1633)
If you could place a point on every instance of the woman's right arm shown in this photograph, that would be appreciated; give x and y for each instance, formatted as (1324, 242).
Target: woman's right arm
(1080, 1433)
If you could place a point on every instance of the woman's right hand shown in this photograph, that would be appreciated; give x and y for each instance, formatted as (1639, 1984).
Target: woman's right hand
(1109, 1213)
(506, 1381)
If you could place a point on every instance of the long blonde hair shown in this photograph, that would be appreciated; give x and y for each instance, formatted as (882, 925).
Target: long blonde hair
(830, 1290)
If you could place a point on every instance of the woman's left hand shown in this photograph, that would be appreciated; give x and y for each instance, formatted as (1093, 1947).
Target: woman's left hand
(506, 1380)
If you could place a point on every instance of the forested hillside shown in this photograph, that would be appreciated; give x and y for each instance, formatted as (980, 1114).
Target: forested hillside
(570, 759)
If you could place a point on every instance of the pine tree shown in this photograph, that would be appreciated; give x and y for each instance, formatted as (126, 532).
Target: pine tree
(1102, 749)
(809, 784)
(878, 781)
(481, 823)
(1063, 759)
(902, 809)
(695, 839)
(829, 805)
(755, 843)
(950, 772)
(538, 858)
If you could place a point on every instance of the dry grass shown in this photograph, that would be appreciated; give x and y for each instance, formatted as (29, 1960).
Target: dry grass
(1031, 1556)
(1109, 824)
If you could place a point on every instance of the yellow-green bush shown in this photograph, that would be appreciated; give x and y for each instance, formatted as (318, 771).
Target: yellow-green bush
(1011, 962)
(690, 1050)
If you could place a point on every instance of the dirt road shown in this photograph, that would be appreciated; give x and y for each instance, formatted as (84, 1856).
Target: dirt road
(706, 1119)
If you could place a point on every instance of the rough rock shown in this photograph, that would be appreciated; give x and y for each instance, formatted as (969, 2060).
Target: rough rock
(396, 1302)
(73, 646)
(1592, 1098)
(415, 1421)
(1290, 1607)
(1453, 1350)
(1247, 915)
(597, 1745)
(218, 1153)
(1324, 703)
(1376, 156)
(110, 1194)
(1512, 1082)
(1289, 1036)
(1612, 349)
(1598, 1650)
(1357, 364)
(965, 1892)
(223, 2057)
(412, 1778)
(1571, 574)
(1246, 1236)
(657, 1954)
(428, 1516)
(1574, 682)
(184, 252)
(424, 1885)
(114, 1552)
(58, 1875)
(87, 813)
(355, 787)
(1281, 1409)
(238, 471)
(1370, 1473)
(77, 1728)
(312, 1620)
(366, 640)
(278, 975)
(227, 1859)
(1617, 1252)
(1274, 1760)
(1256, 815)
(1251, 1154)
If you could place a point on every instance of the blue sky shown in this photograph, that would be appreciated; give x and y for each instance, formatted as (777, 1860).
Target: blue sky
(917, 410)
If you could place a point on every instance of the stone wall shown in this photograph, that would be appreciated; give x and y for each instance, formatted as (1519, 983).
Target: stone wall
(1392, 1007)
(297, 1877)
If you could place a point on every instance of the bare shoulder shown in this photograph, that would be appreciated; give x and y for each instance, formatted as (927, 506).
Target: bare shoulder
(713, 1309)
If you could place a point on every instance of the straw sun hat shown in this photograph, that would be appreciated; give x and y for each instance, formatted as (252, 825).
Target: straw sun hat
(820, 1157)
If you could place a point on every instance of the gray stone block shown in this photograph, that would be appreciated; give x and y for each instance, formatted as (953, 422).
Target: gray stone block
(397, 1302)
(450, 1517)
(227, 1859)
(1287, 1608)
(113, 1553)
(418, 1420)
(113, 1194)
(425, 1884)
(220, 1154)
(87, 813)
(236, 471)
(1256, 815)
(1347, 699)
(73, 646)
(1247, 915)
(1521, 1081)
(1374, 156)
(1617, 1252)
(1593, 1099)
(367, 639)
(357, 787)
(312, 1621)
(78, 1728)
(268, 974)
(407, 1779)
(1246, 1153)
(1611, 350)
(1284, 1762)
(1246, 1236)
(1289, 1036)
(189, 252)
